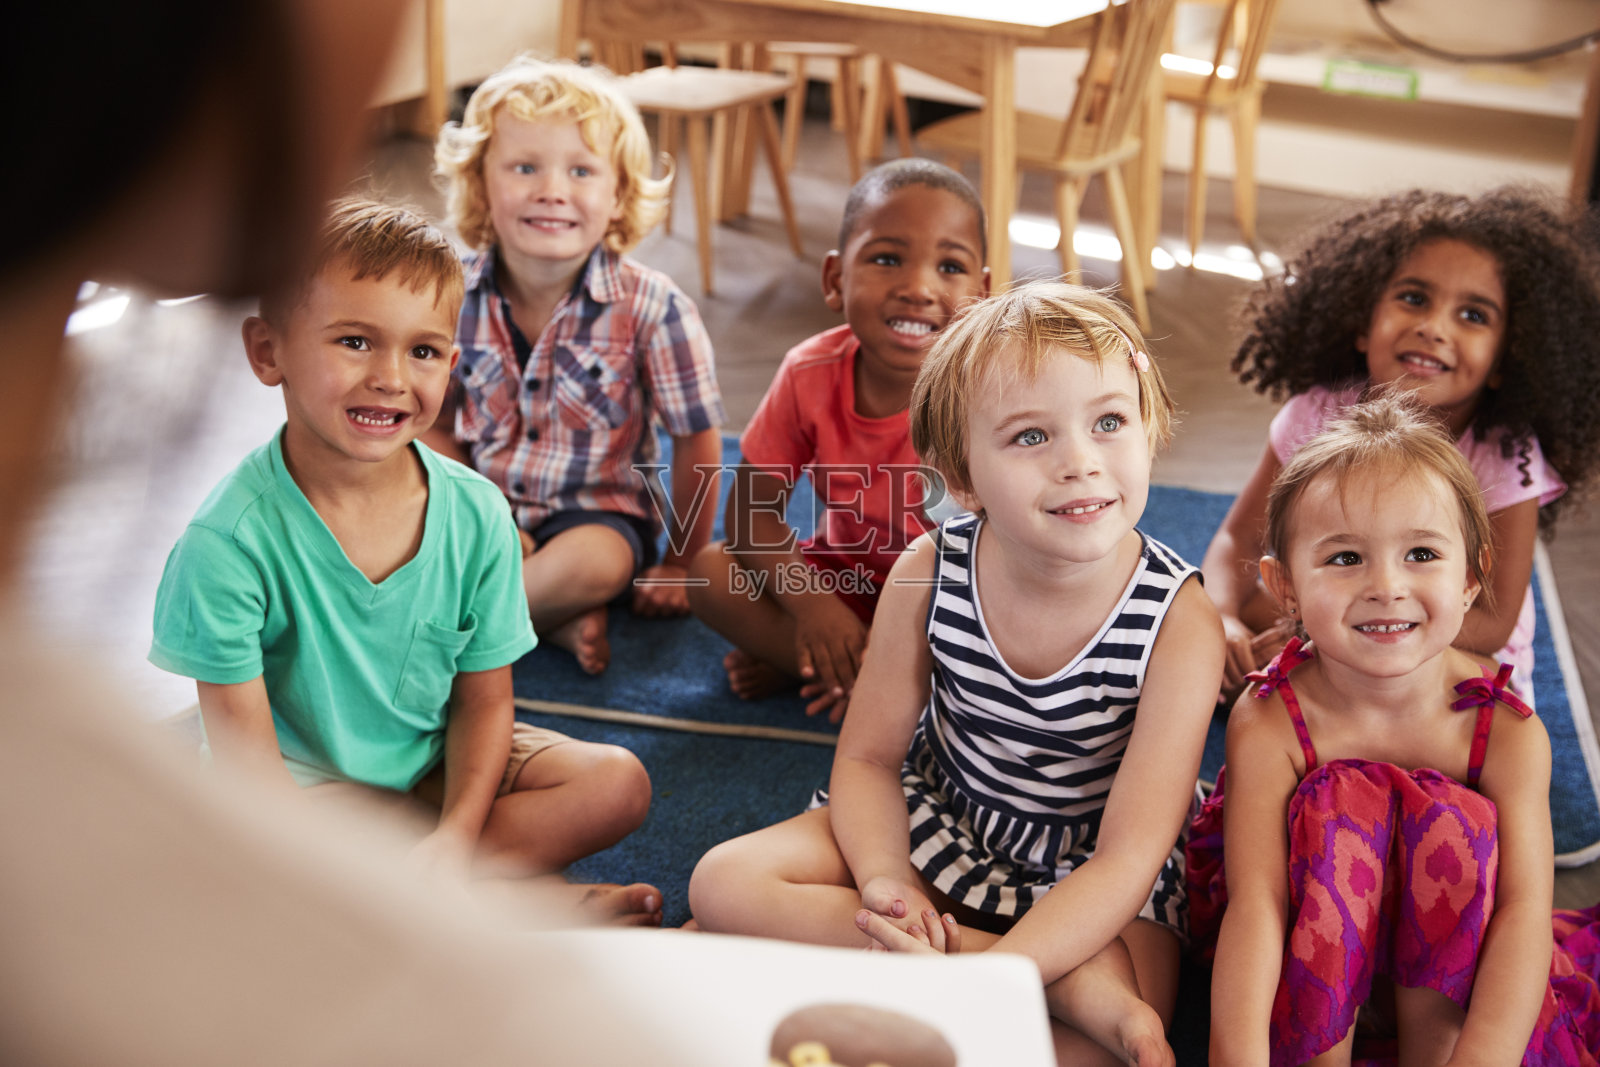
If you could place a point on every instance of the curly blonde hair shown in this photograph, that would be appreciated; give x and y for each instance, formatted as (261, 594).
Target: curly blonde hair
(537, 90)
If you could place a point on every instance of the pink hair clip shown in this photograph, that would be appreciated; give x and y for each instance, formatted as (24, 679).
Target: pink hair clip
(1141, 362)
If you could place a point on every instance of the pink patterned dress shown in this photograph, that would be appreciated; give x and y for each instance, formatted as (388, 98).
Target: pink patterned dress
(1392, 872)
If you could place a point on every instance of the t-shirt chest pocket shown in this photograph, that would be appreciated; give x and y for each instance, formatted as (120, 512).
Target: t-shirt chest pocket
(595, 388)
(429, 668)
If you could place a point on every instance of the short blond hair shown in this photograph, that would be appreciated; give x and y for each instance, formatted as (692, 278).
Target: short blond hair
(373, 240)
(537, 90)
(1390, 433)
(1027, 323)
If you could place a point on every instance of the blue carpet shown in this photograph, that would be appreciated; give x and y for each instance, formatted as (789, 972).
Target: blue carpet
(710, 788)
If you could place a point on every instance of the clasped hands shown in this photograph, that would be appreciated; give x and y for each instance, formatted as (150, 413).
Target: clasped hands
(899, 918)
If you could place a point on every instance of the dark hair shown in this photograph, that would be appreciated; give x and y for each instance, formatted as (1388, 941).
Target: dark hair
(1302, 326)
(80, 150)
(880, 181)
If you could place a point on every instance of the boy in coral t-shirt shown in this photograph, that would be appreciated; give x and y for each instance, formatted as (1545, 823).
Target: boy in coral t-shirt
(911, 254)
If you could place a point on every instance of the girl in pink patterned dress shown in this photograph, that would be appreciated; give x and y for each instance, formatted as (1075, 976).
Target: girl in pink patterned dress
(1387, 823)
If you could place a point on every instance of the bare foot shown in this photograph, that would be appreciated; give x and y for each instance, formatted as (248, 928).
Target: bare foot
(585, 637)
(1100, 998)
(1144, 1040)
(751, 678)
(619, 905)
(550, 902)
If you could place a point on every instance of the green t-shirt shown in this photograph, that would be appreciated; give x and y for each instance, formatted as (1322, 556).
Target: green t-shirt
(358, 674)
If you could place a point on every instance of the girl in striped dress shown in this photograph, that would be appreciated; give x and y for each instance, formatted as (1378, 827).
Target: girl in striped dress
(1023, 740)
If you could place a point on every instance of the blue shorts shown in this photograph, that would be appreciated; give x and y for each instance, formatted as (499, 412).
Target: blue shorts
(639, 533)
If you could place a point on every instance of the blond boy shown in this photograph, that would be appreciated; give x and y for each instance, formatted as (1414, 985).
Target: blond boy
(349, 603)
(570, 351)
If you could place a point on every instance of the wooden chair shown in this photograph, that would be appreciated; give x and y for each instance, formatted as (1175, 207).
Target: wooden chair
(1099, 136)
(845, 95)
(693, 96)
(1234, 88)
(858, 100)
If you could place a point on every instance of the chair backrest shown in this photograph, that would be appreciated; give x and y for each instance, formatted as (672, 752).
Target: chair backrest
(1128, 41)
(630, 57)
(1248, 22)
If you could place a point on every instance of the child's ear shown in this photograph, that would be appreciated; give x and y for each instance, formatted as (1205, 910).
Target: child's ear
(986, 280)
(1276, 578)
(833, 281)
(965, 497)
(261, 348)
(455, 357)
(1485, 558)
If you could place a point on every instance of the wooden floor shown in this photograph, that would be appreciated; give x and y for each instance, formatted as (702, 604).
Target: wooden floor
(166, 404)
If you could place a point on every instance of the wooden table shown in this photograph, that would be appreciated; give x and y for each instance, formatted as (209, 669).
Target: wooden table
(971, 43)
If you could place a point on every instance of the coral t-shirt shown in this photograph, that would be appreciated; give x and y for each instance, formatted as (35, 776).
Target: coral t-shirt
(864, 469)
(1505, 481)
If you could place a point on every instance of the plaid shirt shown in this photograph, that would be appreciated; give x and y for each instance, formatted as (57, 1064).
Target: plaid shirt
(564, 433)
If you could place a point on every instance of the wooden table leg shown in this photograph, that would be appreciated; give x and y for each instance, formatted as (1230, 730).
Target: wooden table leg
(999, 138)
(850, 99)
(897, 109)
(701, 173)
(780, 181)
(570, 27)
(870, 143)
(1147, 173)
(435, 107)
(667, 134)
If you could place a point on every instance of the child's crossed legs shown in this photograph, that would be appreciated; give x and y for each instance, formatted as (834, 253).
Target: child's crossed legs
(561, 799)
(790, 881)
(574, 564)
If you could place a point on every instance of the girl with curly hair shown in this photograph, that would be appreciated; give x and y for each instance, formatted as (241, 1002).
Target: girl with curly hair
(1486, 309)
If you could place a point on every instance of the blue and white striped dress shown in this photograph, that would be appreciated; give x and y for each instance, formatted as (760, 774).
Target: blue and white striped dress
(1007, 776)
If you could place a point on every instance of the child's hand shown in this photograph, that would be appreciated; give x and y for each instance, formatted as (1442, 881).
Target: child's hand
(1241, 655)
(939, 935)
(901, 904)
(441, 856)
(821, 697)
(665, 595)
(1249, 651)
(829, 642)
(529, 546)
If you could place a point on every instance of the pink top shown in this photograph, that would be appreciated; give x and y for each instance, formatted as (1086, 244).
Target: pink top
(872, 497)
(1524, 476)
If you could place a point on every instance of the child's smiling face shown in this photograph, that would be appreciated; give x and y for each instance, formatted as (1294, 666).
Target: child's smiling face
(364, 365)
(1438, 328)
(913, 261)
(1377, 569)
(552, 196)
(1060, 464)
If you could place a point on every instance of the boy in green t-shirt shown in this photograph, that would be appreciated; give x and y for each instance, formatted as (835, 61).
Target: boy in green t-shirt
(350, 604)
